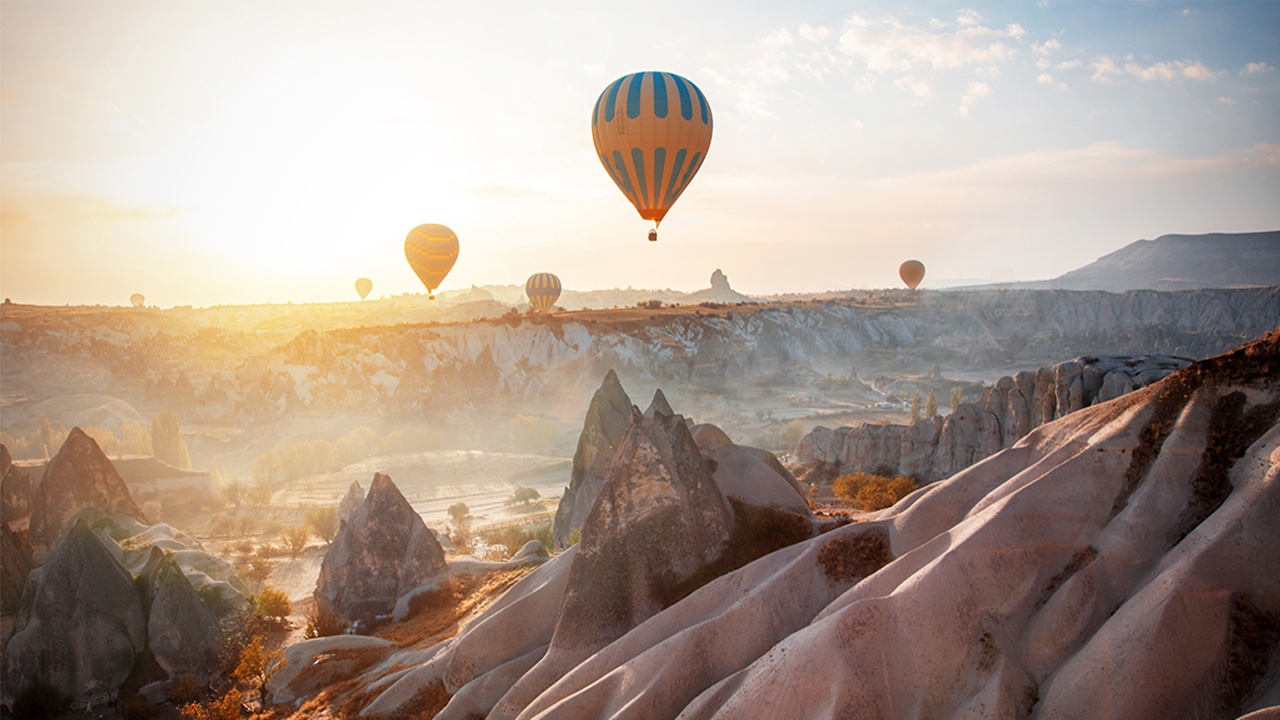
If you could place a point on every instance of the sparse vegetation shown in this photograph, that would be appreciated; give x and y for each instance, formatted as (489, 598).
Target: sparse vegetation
(226, 707)
(523, 496)
(869, 492)
(459, 512)
(294, 539)
(257, 664)
(323, 521)
(323, 622)
(931, 405)
(915, 408)
(513, 538)
(957, 396)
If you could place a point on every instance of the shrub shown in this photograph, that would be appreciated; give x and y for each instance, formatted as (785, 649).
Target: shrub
(183, 689)
(295, 539)
(257, 664)
(511, 539)
(323, 521)
(272, 603)
(868, 492)
(459, 512)
(226, 707)
(323, 622)
(522, 495)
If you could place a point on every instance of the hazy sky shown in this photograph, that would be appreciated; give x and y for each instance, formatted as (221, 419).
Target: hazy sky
(232, 152)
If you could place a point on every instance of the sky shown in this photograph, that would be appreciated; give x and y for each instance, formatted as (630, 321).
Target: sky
(227, 152)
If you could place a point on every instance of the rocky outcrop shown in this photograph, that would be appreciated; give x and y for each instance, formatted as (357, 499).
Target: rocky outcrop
(350, 502)
(936, 448)
(183, 636)
(719, 281)
(383, 551)
(16, 564)
(80, 628)
(16, 494)
(79, 477)
(751, 475)
(606, 421)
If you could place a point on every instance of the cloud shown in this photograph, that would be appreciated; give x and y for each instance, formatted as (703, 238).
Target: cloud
(1044, 79)
(1224, 100)
(593, 68)
(1256, 67)
(1106, 68)
(813, 34)
(1046, 47)
(972, 93)
(916, 86)
(887, 46)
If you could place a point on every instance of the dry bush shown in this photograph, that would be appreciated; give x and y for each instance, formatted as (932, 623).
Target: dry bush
(868, 492)
(323, 622)
(226, 707)
(272, 603)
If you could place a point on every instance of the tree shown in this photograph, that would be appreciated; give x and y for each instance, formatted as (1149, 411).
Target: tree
(272, 603)
(957, 396)
(167, 442)
(234, 492)
(323, 521)
(931, 405)
(523, 495)
(869, 492)
(459, 512)
(295, 539)
(915, 408)
(258, 664)
(46, 436)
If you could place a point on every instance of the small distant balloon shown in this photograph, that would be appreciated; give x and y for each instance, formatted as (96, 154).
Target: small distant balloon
(137, 299)
(363, 287)
(651, 131)
(911, 272)
(431, 251)
(543, 290)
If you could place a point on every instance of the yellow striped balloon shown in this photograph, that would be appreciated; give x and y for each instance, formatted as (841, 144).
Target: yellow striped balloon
(431, 251)
(911, 272)
(652, 131)
(543, 290)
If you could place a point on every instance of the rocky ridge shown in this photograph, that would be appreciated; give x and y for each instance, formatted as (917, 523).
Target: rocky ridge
(938, 447)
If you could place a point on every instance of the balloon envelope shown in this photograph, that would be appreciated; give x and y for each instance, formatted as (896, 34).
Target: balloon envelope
(652, 131)
(543, 290)
(137, 299)
(363, 287)
(911, 272)
(431, 251)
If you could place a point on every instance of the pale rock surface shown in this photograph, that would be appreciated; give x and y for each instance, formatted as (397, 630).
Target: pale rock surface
(80, 476)
(81, 626)
(17, 492)
(602, 429)
(935, 448)
(350, 502)
(383, 551)
(182, 634)
(753, 476)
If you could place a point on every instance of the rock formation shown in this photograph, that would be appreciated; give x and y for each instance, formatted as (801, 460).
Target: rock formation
(606, 421)
(81, 627)
(719, 281)
(1122, 561)
(15, 564)
(383, 551)
(182, 634)
(80, 476)
(16, 494)
(350, 502)
(936, 448)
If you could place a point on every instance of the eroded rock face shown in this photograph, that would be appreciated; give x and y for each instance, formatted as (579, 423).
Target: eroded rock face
(936, 448)
(659, 520)
(16, 494)
(602, 430)
(350, 502)
(719, 281)
(80, 476)
(182, 634)
(383, 551)
(82, 626)
(15, 564)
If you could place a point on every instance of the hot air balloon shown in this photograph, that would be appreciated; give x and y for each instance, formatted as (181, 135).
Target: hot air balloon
(911, 272)
(137, 299)
(431, 251)
(363, 286)
(543, 290)
(652, 131)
